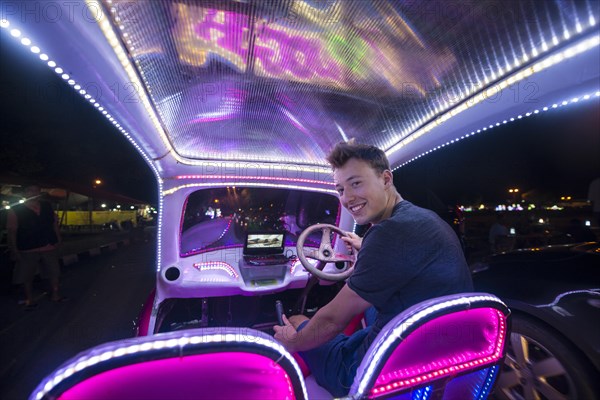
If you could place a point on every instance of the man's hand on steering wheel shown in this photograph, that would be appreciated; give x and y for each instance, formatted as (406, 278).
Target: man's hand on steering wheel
(353, 242)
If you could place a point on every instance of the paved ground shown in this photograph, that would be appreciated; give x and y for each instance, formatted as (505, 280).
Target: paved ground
(106, 292)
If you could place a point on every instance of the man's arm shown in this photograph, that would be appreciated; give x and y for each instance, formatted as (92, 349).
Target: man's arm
(325, 325)
(11, 231)
(57, 229)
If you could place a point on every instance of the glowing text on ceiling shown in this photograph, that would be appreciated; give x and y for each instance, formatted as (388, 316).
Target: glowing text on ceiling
(321, 56)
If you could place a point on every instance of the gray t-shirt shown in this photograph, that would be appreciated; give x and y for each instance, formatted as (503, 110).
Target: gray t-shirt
(410, 257)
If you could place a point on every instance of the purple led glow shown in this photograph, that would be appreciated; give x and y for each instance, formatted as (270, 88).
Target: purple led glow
(212, 232)
(278, 52)
(260, 178)
(444, 346)
(233, 375)
(216, 266)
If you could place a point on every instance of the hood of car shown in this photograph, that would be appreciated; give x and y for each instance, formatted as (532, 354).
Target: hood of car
(196, 83)
(563, 279)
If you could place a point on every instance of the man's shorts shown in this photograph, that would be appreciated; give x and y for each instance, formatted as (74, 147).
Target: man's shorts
(30, 262)
(334, 364)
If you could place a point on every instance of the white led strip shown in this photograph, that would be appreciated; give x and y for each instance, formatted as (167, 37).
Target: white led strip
(260, 178)
(16, 34)
(88, 361)
(536, 111)
(569, 52)
(407, 324)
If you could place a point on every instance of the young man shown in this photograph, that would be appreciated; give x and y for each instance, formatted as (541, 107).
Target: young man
(407, 256)
(33, 236)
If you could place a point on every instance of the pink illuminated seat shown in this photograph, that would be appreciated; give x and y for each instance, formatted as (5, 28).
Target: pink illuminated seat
(211, 363)
(445, 348)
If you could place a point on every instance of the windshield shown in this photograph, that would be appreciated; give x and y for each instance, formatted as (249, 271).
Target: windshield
(220, 217)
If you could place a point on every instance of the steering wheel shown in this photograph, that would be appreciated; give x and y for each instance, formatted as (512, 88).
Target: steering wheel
(324, 253)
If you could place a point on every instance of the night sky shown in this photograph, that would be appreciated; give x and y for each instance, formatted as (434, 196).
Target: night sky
(549, 155)
(48, 131)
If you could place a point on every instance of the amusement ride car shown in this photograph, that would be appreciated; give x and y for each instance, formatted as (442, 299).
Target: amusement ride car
(234, 105)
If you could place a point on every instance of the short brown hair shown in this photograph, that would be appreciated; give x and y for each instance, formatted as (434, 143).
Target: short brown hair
(344, 151)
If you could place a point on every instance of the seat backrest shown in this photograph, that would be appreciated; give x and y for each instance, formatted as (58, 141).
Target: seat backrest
(208, 363)
(444, 348)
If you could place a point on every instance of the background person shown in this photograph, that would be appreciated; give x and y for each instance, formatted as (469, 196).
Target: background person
(498, 234)
(33, 237)
(408, 255)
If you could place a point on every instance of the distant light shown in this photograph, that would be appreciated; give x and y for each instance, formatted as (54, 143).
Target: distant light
(513, 231)
(7, 207)
(98, 182)
(132, 207)
(103, 205)
(22, 201)
(118, 206)
(541, 220)
(588, 223)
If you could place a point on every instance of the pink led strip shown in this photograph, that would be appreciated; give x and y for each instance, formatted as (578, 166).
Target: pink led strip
(261, 178)
(423, 378)
(216, 266)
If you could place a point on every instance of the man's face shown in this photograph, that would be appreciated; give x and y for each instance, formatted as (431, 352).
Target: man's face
(363, 191)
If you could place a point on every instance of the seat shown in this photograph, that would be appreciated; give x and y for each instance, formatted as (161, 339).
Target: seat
(449, 347)
(206, 363)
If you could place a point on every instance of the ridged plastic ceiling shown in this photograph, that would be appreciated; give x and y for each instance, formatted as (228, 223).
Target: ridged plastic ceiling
(286, 80)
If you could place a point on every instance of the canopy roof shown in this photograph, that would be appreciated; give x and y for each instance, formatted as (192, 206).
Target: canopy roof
(280, 82)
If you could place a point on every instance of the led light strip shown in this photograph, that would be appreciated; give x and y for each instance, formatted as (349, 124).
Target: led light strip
(440, 373)
(253, 184)
(487, 386)
(216, 266)
(557, 299)
(88, 361)
(409, 323)
(549, 61)
(573, 100)
(95, 7)
(16, 34)
(262, 178)
(253, 164)
(199, 250)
